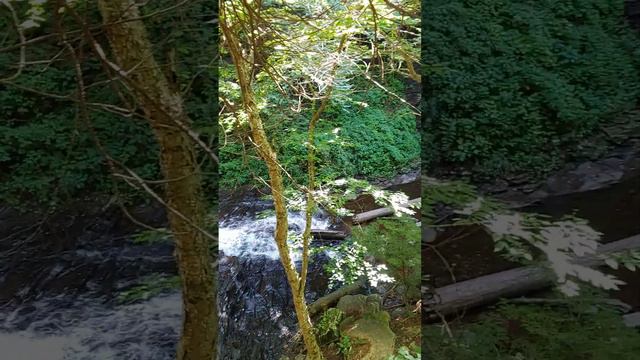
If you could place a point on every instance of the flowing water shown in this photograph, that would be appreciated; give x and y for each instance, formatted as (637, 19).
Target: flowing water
(85, 329)
(59, 280)
(255, 305)
(248, 235)
(59, 285)
(60, 276)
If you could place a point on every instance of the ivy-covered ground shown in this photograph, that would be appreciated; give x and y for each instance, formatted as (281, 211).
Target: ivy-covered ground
(569, 329)
(520, 87)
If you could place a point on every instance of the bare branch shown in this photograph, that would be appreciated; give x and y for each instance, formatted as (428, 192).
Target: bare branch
(23, 48)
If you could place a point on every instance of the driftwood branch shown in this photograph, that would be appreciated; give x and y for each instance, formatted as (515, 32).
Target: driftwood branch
(370, 215)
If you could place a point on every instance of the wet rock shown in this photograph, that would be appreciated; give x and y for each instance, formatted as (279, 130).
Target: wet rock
(400, 312)
(618, 165)
(529, 188)
(405, 178)
(586, 176)
(519, 179)
(498, 187)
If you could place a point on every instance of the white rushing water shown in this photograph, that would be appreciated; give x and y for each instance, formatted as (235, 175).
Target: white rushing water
(246, 236)
(89, 330)
(68, 328)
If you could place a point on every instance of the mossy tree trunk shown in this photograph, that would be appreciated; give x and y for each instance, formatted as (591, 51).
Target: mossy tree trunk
(269, 156)
(166, 115)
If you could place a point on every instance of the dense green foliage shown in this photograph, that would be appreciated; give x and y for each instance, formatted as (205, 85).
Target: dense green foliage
(396, 243)
(47, 150)
(364, 133)
(514, 86)
(580, 330)
(404, 353)
(328, 327)
(352, 55)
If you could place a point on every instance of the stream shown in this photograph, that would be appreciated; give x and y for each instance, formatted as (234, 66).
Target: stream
(59, 297)
(613, 210)
(255, 304)
(61, 274)
(256, 309)
(59, 280)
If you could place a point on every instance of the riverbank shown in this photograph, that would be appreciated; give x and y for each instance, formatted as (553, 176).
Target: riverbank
(604, 191)
(608, 157)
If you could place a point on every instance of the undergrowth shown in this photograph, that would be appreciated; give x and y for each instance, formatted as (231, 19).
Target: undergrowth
(575, 330)
(515, 86)
(396, 243)
(366, 133)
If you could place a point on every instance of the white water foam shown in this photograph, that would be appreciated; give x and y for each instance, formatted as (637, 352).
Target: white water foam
(247, 236)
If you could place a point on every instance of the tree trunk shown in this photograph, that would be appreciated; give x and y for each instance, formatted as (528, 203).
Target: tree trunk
(165, 112)
(270, 158)
(321, 234)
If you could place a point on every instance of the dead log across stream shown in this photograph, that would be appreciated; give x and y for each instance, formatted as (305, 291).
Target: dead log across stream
(487, 289)
(372, 214)
(321, 234)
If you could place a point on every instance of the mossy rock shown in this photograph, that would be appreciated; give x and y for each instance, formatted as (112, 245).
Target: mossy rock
(358, 305)
(367, 325)
(372, 339)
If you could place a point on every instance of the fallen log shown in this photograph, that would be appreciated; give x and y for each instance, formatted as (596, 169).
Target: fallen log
(372, 214)
(632, 320)
(326, 301)
(488, 289)
(321, 234)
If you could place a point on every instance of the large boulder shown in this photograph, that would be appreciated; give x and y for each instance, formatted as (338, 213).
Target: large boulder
(367, 326)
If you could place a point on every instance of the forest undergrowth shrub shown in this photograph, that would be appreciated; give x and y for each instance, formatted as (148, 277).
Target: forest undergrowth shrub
(514, 86)
(396, 243)
(328, 327)
(47, 152)
(404, 353)
(574, 330)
